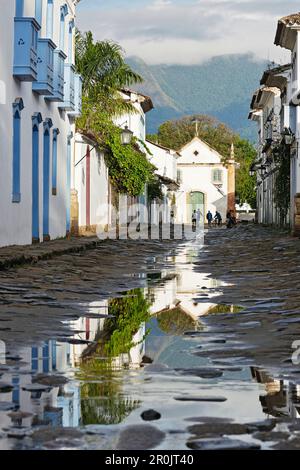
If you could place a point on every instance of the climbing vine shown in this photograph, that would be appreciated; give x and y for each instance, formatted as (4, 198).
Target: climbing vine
(282, 181)
(129, 313)
(129, 168)
(128, 165)
(154, 189)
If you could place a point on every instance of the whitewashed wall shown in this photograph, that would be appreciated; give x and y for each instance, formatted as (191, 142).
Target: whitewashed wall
(99, 184)
(164, 160)
(196, 175)
(135, 122)
(15, 218)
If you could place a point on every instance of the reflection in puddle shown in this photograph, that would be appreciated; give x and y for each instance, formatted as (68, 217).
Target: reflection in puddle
(104, 363)
(281, 398)
(176, 322)
(222, 309)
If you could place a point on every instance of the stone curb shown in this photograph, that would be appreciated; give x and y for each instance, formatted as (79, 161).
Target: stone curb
(14, 256)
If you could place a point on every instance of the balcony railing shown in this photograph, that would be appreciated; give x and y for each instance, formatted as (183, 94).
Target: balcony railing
(78, 96)
(45, 60)
(69, 89)
(58, 76)
(25, 49)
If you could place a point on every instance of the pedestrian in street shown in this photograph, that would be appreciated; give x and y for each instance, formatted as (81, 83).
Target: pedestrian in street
(231, 220)
(194, 219)
(209, 218)
(218, 218)
(199, 215)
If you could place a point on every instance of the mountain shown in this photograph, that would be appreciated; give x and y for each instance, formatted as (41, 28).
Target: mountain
(221, 87)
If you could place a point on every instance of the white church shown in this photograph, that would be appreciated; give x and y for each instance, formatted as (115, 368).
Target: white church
(207, 181)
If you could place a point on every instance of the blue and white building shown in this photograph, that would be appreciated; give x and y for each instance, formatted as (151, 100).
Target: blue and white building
(40, 97)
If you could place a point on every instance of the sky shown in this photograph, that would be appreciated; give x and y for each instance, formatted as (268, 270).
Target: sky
(188, 31)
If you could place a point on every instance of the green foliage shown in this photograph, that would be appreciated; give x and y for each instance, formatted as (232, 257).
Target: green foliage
(175, 134)
(176, 322)
(245, 184)
(100, 404)
(104, 73)
(101, 397)
(154, 189)
(223, 308)
(130, 312)
(282, 181)
(129, 169)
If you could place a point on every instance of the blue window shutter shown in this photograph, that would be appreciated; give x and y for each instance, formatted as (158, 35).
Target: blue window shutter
(46, 178)
(16, 156)
(36, 121)
(19, 8)
(69, 183)
(16, 161)
(46, 182)
(35, 183)
(34, 359)
(54, 161)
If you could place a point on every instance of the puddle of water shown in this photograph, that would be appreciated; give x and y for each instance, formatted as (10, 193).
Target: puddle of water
(129, 354)
(221, 309)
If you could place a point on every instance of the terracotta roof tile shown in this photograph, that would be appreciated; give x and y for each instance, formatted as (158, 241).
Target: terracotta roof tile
(291, 20)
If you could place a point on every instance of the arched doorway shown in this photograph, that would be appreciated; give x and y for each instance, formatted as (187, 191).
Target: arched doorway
(195, 201)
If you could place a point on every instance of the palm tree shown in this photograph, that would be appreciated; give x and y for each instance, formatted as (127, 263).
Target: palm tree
(104, 72)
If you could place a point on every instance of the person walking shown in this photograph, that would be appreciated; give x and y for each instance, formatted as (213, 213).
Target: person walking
(199, 215)
(209, 218)
(218, 218)
(231, 220)
(194, 219)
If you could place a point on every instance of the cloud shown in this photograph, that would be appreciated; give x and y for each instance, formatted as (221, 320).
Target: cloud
(188, 31)
(160, 4)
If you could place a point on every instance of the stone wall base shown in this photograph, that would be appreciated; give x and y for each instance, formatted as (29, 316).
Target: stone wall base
(74, 212)
(296, 229)
(91, 230)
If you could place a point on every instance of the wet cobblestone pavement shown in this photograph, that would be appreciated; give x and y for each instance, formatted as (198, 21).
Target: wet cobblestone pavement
(151, 345)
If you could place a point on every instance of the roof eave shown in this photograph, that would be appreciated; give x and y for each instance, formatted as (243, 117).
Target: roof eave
(286, 35)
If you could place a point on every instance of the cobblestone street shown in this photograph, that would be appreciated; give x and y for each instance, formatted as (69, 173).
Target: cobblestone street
(209, 367)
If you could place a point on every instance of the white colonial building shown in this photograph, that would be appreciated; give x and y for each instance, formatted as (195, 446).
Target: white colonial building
(275, 107)
(94, 197)
(165, 161)
(206, 182)
(39, 100)
(265, 110)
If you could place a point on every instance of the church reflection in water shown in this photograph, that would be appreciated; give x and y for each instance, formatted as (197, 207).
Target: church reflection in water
(80, 379)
